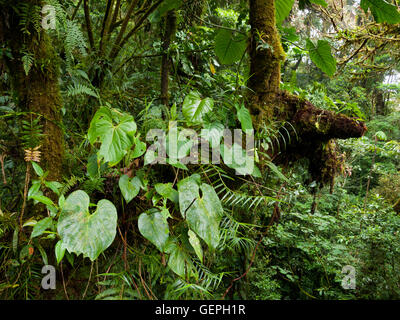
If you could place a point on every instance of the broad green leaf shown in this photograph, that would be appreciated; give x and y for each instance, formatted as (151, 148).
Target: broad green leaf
(382, 11)
(37, 168)
(34, 189)
(180, 263)
(61, 201)
(245, 119)
(40, 227)
(42, 199)
(140, 149)
(115, 131)
(320, 2)
(129, 187)
(194, 107)
(202, 214)
(177, 164)
(321, 55)
(154, 227)
(195, 242)
(304, 3)
(54, 186)
(59, 251)
(29, 223)
(82, 232)
(43, 254)
(230, 46)
(167, 191)
(282, 9)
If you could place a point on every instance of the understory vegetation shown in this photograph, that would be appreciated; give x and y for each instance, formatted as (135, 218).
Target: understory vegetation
(311, 211)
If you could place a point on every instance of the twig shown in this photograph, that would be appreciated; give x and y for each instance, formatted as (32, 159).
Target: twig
(90, 277)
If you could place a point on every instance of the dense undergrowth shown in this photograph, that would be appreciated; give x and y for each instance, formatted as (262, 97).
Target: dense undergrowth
(195, 231)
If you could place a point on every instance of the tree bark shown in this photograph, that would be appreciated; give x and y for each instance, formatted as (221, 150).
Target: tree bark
(38, 91)
(170, 29)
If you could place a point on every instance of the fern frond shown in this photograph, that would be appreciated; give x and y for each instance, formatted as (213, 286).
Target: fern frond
(80, 89)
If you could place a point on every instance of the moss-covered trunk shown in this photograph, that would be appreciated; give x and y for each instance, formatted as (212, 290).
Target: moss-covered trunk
(36, 87)
(169, 34)
(266, 54)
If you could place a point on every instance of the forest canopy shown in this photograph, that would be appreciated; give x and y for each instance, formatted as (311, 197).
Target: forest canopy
(194, 149)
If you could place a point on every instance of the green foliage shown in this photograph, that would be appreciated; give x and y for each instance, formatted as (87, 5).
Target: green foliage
(82, 232)
(154, 227)
(115, 130)
(283, 8)
(381, 10)
(321, 55)
(195, 108)
(229, 46)
(202, 213)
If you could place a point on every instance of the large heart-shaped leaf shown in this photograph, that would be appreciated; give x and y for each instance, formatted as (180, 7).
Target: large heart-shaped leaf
(203, 214)
(154, 227)
(115, 131)
(230, 46)
(82, 232)
(129, 187)
(321, 55)
(194, 107)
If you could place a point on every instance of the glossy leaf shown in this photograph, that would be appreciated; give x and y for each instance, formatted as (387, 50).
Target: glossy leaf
(245, 119)
(167, 191)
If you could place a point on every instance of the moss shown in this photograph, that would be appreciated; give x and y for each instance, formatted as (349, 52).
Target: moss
(38, 91)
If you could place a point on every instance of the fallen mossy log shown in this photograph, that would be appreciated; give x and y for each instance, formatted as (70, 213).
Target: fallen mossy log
(313, 136)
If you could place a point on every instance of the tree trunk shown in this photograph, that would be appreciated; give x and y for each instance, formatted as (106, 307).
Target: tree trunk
(37, 90)
(266, 54)
(170, 29)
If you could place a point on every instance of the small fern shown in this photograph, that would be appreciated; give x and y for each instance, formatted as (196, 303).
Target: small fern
(80, 89)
